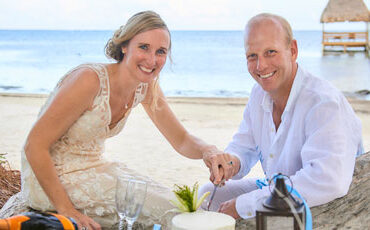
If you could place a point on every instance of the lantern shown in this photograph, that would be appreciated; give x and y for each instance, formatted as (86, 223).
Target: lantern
(280, 210)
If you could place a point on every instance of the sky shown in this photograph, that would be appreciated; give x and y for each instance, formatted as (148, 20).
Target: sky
(178, 14)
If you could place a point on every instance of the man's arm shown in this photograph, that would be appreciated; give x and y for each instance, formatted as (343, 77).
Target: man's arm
(243, 145)
(333, 136)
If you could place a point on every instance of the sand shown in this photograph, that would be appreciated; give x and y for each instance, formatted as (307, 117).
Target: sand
(140, 145)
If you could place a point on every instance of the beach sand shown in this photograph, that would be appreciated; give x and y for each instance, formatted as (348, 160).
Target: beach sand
(140, 145)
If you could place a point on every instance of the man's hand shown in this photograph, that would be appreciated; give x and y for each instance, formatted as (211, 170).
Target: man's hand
(229, 208)
(221, 165)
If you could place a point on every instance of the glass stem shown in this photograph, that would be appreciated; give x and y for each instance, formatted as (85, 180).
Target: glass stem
(129, 226)
(121, 224)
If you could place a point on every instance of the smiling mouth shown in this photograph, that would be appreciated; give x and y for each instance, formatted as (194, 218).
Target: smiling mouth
(146, 70)
(265, 76)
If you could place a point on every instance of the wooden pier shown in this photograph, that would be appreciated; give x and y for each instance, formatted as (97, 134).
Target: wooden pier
(339, 11)
(344, 40)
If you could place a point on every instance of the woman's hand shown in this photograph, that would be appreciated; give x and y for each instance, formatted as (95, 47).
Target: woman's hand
(83, 221)
(217, 160)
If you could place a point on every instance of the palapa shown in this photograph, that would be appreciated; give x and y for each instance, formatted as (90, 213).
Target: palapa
(345, 10)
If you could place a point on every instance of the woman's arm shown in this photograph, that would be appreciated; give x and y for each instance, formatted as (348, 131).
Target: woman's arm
(187, 144)
(73, 98)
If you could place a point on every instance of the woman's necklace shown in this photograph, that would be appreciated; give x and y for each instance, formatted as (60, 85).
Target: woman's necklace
(126, 104)
(111, 73)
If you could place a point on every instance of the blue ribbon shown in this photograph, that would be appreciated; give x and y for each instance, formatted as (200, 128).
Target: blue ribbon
(157, 227)
(261, 183)
(264, 182)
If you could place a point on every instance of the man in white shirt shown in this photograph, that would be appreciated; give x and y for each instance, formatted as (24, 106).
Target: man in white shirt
(294, 124)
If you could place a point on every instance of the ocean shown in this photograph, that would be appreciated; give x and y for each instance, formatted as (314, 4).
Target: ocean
(204, 63)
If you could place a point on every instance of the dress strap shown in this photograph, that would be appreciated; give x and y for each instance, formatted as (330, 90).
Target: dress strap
(98, 68)
(140, 93)
(103, 95)
(102, 73)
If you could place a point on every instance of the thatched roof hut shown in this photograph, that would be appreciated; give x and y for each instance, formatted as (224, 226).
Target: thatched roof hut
(345, 10)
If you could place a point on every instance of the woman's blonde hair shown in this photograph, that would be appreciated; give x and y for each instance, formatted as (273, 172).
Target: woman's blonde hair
(138, 23)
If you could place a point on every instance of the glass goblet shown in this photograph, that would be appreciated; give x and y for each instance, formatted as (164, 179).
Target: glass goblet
(130, 198)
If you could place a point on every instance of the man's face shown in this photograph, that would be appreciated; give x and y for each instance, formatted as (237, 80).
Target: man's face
(271, 61)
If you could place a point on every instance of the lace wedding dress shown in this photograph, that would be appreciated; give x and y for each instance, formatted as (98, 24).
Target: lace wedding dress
(88, 178)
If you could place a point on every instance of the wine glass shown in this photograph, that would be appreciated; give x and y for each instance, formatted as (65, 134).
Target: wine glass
(121, 187)
(130, 198)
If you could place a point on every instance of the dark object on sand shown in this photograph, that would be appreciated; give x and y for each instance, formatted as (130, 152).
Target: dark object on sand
(38, 221)
(363, 92)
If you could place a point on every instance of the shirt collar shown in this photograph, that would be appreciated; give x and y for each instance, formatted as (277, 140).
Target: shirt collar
(267, 103)
(296, 88)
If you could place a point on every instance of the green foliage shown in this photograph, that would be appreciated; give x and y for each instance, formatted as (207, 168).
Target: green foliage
(186, 195)
(187, 198)
(2, 158)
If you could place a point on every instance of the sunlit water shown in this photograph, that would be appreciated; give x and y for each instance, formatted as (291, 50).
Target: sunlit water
(205, 63)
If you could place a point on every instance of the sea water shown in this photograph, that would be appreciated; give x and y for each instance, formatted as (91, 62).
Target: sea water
(204, 63)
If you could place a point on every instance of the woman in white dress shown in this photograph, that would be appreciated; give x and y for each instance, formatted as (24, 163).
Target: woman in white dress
(63, 168)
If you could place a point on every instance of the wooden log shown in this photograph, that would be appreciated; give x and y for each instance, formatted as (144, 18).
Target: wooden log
(349, 212)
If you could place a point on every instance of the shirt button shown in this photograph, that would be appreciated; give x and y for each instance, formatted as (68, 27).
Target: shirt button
(271, 155)
(272, 130)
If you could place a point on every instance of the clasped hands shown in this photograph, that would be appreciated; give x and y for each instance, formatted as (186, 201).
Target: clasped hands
(222, 167)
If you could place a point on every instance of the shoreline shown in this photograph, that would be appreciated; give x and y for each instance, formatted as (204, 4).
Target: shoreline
(360, 105)
(140, 145)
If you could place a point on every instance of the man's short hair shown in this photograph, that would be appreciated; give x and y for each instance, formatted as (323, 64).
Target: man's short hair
(282, 21)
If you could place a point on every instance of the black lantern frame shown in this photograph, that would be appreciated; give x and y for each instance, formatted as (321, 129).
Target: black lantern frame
(279, 204)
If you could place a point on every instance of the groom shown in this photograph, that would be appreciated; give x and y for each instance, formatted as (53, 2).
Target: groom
(294, 123)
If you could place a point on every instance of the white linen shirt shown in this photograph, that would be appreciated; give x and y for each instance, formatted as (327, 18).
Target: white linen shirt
(315, 144)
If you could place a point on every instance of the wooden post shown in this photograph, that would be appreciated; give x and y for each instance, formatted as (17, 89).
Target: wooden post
(322, 41)
(367, 33)
(367, 47)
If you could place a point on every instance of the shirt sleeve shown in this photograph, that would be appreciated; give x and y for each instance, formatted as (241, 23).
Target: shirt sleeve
(246, 204)
(243, 145)
(333, 134)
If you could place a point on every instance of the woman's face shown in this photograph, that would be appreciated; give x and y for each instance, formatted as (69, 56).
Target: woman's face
(146, 54)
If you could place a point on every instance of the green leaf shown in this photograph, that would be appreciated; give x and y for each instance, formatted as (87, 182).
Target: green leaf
(180, 207)
(187, 198)
(2, 158)
(201, 199)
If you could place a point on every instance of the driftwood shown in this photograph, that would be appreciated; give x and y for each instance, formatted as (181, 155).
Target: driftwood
(10, 181)
(349, 212)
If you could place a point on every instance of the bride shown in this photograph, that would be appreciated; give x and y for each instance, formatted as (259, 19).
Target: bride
(63, 168)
